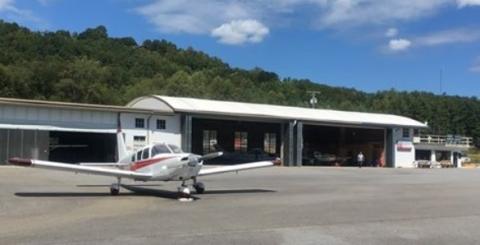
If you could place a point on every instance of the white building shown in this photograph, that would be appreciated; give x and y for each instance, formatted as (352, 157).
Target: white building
(438, 150)
(75, 132)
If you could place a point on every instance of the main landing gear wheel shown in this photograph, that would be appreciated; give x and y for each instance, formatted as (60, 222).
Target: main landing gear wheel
(114, 189)
(199, 187)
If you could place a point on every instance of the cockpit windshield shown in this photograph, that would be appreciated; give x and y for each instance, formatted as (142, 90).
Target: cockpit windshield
(159, 149)
(175, 149)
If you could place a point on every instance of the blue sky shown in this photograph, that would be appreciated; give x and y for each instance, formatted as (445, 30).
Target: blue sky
(365, 44)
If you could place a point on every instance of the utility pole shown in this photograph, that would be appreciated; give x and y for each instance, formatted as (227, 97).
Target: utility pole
(313, 100)
(441, 81)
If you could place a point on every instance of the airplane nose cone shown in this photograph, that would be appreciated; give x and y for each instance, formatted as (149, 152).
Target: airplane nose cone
(192, 161)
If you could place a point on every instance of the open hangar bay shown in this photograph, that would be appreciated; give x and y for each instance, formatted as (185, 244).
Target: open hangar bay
(266, 206)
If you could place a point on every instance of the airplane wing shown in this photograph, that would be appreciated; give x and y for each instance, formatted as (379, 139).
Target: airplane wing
(102, 164)
(237, 167)
(79, 169)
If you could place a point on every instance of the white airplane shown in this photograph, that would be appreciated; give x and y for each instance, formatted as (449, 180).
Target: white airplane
(159, 162)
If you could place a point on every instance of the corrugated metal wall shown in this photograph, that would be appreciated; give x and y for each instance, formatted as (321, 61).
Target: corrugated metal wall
(23, 143)
(24, 117)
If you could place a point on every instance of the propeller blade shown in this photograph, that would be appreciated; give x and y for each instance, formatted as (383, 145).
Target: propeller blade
(210, 156)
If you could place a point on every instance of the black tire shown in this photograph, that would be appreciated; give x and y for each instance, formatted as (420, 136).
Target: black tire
(114, 191)
(199, 188)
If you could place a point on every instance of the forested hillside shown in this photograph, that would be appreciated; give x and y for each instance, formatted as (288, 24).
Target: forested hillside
(94, 68)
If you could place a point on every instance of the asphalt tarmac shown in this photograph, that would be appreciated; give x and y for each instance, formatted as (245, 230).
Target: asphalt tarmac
(267, 206)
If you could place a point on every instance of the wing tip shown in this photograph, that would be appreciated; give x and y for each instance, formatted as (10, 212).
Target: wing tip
(20, 161)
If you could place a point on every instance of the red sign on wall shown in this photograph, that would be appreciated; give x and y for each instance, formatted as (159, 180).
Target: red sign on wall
(404, 146)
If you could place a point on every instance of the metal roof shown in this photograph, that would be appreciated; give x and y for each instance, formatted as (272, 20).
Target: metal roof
(80, 106)
(216, 107)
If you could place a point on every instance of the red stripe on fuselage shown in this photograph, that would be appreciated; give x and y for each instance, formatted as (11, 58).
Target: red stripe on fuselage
(147, 162)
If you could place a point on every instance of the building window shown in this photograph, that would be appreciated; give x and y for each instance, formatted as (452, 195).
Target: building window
(161, 124)
(270, 143)
(241, 142)
(138, 142)
(139, 139)
(139, 123)
(406, 133)
(209, 141)
(416, 132)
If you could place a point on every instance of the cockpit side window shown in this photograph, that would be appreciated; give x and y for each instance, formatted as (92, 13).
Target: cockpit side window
(139, 155)
(159, 149)
(175, 149)
(146, 153)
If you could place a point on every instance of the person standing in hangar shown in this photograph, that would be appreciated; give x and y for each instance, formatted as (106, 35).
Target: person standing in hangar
(360, 159)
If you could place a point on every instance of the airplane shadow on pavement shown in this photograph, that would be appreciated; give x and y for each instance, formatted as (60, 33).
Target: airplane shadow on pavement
(139, 190)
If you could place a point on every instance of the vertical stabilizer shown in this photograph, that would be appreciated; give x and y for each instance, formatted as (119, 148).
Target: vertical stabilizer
(121, 147)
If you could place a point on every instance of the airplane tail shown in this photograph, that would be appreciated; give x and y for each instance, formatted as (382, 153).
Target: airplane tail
(121, 147)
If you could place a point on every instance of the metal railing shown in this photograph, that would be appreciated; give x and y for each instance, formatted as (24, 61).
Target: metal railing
(446, 140)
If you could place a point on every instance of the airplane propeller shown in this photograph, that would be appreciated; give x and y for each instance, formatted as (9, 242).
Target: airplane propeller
(210, 156)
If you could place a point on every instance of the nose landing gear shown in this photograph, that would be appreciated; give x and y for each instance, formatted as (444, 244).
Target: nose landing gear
(199, 187)
(184, 192)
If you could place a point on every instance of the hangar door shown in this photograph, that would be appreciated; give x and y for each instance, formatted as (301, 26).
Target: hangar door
(339, 146)
(74, 147)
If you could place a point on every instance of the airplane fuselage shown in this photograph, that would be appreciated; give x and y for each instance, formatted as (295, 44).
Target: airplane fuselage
(168, 167)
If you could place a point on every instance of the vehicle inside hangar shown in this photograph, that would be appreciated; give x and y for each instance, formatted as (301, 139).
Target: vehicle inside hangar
(240, 141)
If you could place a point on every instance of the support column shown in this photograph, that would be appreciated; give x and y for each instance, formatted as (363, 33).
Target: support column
(390, 151)
(451, 157)
(433, 156)
(288, 144)
(282, 144)
(186, 133)
(298, 144)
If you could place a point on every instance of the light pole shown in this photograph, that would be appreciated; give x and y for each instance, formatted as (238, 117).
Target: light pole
(313, 100)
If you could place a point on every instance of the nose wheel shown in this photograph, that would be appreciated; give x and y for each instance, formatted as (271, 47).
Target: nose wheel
(184, 193)
(199, 187)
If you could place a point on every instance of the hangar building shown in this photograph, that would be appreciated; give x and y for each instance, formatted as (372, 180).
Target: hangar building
(72, 132)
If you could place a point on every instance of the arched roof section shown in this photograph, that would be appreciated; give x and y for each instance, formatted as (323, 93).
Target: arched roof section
(252, 110)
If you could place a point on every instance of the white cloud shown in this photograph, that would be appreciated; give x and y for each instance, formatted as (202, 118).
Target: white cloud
(391, 32)
(8, 5)
(444, 37)
(399, 44)
(341, 13)
(201, 17)
(11, 12)
(240, 31)
(466, 3)
(459, 35)
(195, 17)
